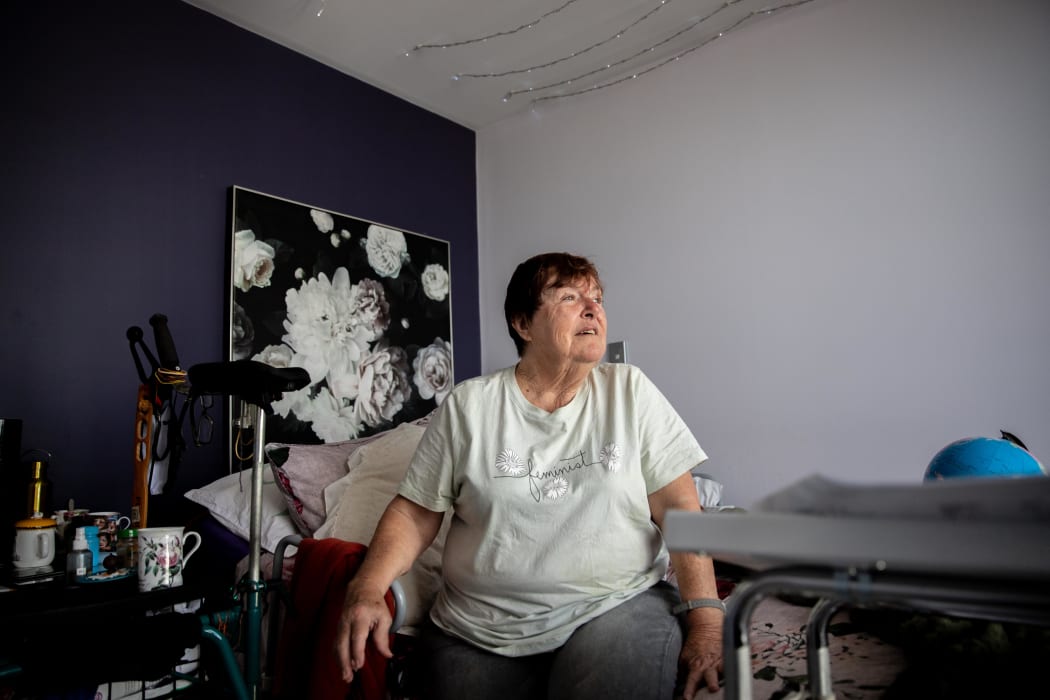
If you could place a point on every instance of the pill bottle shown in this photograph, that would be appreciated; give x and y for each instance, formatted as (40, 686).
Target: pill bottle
(128, 548)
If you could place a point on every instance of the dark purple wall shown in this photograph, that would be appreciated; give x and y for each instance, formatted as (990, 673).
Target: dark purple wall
(125, 124)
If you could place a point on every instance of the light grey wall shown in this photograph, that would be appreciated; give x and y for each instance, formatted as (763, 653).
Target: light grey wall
(826, 236)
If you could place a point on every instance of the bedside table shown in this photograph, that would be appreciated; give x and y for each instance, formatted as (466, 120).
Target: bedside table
(59, 636)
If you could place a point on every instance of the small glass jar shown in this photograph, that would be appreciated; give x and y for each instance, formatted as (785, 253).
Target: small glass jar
(128, 548)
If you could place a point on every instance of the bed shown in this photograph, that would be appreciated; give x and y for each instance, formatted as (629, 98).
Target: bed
(339, 490)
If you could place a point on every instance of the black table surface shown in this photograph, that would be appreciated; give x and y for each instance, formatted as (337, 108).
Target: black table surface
(34, 611)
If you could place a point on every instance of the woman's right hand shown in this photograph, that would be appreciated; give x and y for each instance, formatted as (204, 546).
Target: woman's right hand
(365, 614)
(404, 531)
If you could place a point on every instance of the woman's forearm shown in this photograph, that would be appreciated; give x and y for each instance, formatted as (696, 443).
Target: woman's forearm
(404, 532)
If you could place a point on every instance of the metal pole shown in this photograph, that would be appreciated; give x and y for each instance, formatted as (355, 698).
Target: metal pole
(253, 623)
(736, 641)
(217, 640)
(818, 658)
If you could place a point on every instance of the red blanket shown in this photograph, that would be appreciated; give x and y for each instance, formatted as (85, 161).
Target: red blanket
(307, 666)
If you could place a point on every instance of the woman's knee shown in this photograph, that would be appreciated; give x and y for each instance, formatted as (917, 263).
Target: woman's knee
(456, 670)
(629, 652)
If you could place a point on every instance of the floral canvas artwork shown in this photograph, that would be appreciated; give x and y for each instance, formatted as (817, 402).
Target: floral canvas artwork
(363, 307)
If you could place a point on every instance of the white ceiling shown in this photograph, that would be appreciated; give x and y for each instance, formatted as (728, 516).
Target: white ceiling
(369, 39)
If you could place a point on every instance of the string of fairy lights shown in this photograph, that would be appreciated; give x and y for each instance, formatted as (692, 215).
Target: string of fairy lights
(609, 66)
(574, 54)
(670, 59)
(508, 32)
(616, 64)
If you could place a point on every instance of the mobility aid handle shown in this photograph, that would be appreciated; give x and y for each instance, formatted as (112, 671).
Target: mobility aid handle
(253, 381)
(169, 359)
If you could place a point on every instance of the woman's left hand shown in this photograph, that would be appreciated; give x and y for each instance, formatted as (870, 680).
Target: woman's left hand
(701, 656)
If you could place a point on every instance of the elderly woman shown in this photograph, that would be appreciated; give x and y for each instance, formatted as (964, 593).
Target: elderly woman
(558, 472)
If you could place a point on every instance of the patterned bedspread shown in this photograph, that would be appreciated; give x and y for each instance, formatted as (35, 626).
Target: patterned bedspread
(862, 665)
(895, 654)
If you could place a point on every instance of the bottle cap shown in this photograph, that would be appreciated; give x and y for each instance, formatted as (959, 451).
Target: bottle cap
(35, 523)
(80, 539)
(128, 533)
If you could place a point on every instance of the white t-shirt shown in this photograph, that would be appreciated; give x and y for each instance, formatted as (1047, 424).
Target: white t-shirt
(551, 524)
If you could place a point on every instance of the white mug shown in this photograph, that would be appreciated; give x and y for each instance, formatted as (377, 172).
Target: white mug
(63, 518)
(163, 553)
(34, 543)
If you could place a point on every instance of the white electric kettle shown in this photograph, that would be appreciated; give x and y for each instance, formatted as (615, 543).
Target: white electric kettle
(34, 542)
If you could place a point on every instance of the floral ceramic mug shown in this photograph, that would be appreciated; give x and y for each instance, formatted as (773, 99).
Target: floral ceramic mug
(163, 553)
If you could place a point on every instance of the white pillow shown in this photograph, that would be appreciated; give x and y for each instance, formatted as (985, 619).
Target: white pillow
(229, 501)
(359, 499)
(708, 489)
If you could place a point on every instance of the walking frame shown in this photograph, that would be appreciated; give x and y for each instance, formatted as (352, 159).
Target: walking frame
(257, 385)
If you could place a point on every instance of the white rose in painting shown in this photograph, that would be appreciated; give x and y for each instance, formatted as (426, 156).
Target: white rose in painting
(309, 325)
(332, 420)
(323, 327)
(275, 356)
(252, 261)
(342, 378)
(322, 220)
(370, 311)
(432, 369)
(383, 386)
(435, 282)
(290, 401)
(387, 249)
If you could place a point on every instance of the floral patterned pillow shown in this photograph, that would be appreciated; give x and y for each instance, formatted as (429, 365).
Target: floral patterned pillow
(303, 471)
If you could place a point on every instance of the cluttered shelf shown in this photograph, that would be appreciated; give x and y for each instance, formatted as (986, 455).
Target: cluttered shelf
(41, 605)
(116, 629)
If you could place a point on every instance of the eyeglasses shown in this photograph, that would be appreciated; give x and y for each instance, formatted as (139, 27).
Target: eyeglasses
(202, 424)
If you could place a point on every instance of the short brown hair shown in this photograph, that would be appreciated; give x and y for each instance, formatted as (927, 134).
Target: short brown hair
(533, 277)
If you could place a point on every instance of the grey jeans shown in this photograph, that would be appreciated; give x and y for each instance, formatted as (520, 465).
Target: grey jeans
(630, 652)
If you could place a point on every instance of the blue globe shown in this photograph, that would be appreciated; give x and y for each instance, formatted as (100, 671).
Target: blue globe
(983, 457)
